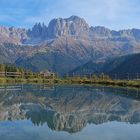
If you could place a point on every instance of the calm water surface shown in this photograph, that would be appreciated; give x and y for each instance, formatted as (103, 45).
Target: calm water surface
(41, 112)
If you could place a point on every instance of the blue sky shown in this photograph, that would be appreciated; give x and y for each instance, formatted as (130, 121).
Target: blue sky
(114, 14)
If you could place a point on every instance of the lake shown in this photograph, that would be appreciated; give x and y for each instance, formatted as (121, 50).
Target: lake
(69, 112)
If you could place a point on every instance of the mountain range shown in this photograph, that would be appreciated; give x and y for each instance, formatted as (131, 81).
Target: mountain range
(64, 45)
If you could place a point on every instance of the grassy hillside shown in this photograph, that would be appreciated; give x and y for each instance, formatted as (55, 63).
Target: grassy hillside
(119, 65)
(125, 64)
(88, 68)
(52, 61)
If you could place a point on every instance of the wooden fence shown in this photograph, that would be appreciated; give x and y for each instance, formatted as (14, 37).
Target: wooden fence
(116, 76)
(25, 75)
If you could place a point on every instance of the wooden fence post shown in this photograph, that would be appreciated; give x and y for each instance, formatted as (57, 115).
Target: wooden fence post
(137, 76)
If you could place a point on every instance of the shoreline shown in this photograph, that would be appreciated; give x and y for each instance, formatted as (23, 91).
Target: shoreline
(114, 83)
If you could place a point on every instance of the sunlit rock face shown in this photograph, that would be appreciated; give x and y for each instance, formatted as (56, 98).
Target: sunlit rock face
(70, 109)
(13, 35)
(73, 26)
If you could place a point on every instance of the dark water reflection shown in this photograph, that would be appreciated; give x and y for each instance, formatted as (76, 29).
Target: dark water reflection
(34, 112)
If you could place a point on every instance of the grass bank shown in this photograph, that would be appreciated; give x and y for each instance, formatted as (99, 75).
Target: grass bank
(23, 80)
(107, 82)
(121, 83)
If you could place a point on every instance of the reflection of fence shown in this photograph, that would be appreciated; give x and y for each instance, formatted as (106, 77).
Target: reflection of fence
(10, 88)
(22, 88)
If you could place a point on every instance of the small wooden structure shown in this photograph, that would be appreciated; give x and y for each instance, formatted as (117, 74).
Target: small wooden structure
(47, 75)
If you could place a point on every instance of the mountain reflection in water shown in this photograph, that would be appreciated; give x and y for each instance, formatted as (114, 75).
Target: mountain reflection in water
(69, 108)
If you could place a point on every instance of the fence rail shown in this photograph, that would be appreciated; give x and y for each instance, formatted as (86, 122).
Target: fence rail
(6, 74)
(127, 76)
(116, 76)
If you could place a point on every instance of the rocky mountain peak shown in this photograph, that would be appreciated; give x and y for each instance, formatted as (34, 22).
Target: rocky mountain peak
(72, 26)
(100, 31)
(38, 31)
(12, 35)
(74, 18)
(131, 33)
